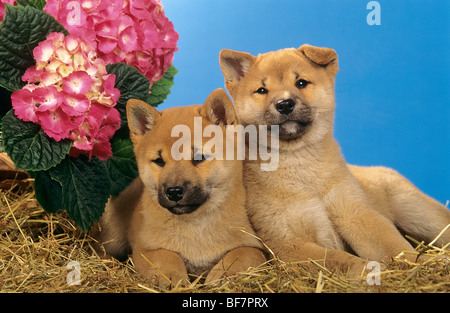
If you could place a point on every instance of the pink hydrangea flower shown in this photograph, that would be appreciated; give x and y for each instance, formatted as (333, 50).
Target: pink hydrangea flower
(135, 32)
(95, 131)
(77, 82)
(2, 7)
(25, 104)
(70, 95)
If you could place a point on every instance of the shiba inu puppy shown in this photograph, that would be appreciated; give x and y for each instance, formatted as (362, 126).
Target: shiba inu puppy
(184, 216)
(315, 206)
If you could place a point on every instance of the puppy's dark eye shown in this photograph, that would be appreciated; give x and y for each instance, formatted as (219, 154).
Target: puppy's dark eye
(198, 159)
(262, 91)
(301, 83)
(159, 161)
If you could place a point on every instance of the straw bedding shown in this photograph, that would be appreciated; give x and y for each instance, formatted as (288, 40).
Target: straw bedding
(36, 248)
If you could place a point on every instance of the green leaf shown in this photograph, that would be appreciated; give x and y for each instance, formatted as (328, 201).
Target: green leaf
(85, 188)
(131, 83)
(121, 166)
(20, 32)
(161, 89)
(48, 192)
(29, 147)
(38, 4)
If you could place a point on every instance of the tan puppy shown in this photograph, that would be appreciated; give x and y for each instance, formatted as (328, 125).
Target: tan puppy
(315, 205)
(181, 216)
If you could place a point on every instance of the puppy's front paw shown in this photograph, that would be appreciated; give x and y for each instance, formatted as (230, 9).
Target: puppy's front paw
(237, 260)
(354, 268)
(167, 277)
(216, 274)
(161, 267)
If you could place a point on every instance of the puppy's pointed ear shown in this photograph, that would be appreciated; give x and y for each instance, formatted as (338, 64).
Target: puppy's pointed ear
(324, 57)
(219, 109)
(234, 65)
(141, 118)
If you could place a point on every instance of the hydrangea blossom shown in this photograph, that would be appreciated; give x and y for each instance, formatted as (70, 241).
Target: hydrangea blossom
(2, 7)
(135, 32)
(70, 95)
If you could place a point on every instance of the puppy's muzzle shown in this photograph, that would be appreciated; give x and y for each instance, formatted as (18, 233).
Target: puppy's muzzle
(285, 107)
(292, 115)
(181, 199)
(175, 193)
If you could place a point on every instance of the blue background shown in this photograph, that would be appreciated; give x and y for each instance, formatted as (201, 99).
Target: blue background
(392, 90)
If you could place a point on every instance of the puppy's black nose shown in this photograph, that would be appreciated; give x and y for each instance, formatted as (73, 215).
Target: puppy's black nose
(175, 193)
(285, 106)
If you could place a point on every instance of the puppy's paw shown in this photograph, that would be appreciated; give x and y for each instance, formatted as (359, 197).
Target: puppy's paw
(216, 275)
(165, 278)
(161, 267)
(356, 268)
(235, 261)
